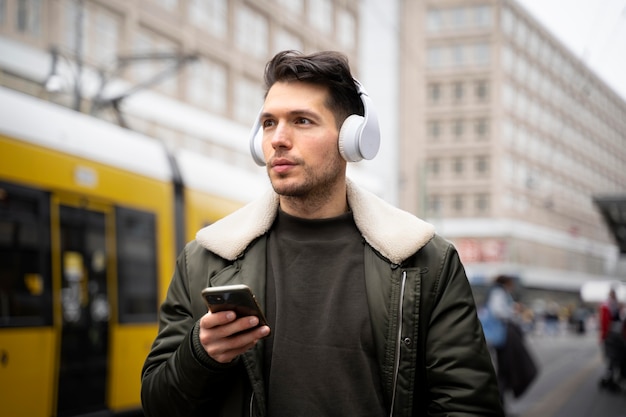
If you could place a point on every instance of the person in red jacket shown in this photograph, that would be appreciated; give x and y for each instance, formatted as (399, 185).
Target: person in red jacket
(611, 329)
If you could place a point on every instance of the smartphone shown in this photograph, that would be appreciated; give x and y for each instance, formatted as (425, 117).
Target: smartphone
(238, 298)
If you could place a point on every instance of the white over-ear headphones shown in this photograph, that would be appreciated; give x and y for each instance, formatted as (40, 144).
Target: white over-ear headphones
(359, 136)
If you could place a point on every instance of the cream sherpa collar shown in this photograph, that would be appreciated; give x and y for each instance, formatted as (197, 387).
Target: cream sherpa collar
(394, 233)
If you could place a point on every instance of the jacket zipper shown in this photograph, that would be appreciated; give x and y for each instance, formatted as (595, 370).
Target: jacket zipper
(396, 366)
(251, 404)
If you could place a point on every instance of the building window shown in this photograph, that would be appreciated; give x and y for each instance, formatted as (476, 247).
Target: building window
(457, 203)
(521, 33)
(458, 91)
(252, 32)
(321, 15)
(457, 165)
(168, 4)
(457, 129)
(434, 129)
(433, 166)
(458, 55)
(482, 164)
(346, 29)
(434, 92)
(481, 128)
(104, 34)
(207, 86)
(434, 20)
(434, 205)
(459, 20)
(482, 16)
(482, 203)
(533, 43)
(148, 42)
(507, 21)
(73, 14)
(29, 17)
(508, 58)
(3, 12)
(435, 57)
(293, 6)
(284, 40)
(248, 100)
(482, 94)
(100, 31)
(481, 53)
(211, 16)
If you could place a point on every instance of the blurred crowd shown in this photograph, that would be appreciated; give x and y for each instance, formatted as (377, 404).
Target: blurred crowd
(556, 319)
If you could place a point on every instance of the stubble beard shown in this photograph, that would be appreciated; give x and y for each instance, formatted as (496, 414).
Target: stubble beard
(315, 187)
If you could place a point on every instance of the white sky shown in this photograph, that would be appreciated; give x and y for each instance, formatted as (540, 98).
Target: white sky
(594, 30)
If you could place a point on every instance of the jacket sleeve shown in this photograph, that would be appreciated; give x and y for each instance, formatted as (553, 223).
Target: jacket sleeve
(176, 381)
(459, 372)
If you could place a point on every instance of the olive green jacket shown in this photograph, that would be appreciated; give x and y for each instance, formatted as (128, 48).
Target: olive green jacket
(430, 346)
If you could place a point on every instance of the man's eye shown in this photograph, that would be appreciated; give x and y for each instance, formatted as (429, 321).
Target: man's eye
(303, 121)
(267, 123)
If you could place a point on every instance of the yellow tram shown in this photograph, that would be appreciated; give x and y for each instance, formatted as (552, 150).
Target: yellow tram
(91, 219)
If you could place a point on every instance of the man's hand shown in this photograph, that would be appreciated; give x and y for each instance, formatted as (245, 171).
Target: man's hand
(225, 337)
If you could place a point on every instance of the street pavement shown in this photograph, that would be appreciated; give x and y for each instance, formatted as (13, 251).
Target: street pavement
(570, 367)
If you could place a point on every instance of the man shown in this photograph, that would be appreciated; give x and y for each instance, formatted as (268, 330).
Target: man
(369, 312)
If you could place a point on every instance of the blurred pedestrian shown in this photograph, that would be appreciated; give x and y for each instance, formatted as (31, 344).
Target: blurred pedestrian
(515, 367)
(578, 320)
(500, 298)
(612, 339)
(370, 312)
(552, 320)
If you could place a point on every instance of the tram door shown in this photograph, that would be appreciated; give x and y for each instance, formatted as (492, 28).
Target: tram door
(84, 311)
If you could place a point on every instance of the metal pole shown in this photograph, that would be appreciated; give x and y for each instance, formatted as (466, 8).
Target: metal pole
(78, 54)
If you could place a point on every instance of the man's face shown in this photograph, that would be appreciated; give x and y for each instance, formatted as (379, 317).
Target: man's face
(300, 140)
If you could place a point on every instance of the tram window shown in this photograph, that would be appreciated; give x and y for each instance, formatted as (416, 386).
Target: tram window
(25, 284)
(136, 266)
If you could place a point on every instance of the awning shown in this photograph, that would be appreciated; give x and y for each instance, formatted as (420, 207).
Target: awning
(613, 210)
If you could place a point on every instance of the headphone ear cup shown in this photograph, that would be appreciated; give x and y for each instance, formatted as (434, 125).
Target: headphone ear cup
(349, 138)
(256, 142)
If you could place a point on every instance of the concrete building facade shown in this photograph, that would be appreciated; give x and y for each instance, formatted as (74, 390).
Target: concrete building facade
(506, 138)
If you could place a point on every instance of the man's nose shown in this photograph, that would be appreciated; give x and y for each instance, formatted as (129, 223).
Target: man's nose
(281, 135)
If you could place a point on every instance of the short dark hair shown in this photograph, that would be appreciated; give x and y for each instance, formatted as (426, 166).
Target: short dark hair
(326, 68)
